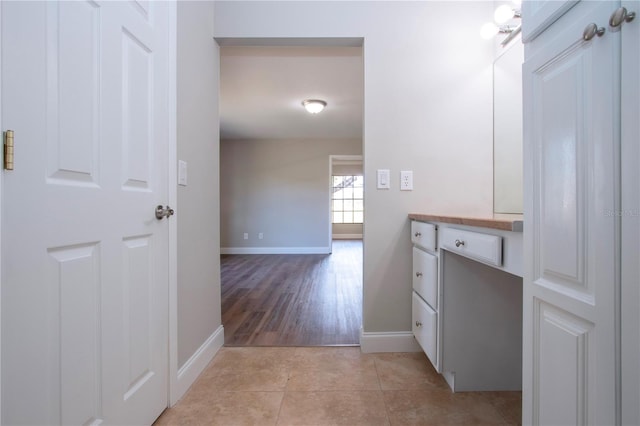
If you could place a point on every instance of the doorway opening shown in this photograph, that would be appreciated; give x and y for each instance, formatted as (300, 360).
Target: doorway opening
(347, 197)
(285, 280)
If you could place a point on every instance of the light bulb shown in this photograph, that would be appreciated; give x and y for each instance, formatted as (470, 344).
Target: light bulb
(314, 106)
(503, 14)
(489, 30)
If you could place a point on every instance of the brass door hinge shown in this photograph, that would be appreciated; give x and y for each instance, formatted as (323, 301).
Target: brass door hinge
(8, 150)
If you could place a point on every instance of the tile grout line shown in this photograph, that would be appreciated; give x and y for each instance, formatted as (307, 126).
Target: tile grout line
(286, 386)
(386, 408)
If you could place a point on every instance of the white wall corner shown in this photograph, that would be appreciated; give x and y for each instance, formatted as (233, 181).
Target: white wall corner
(390, 341)
(189, 372)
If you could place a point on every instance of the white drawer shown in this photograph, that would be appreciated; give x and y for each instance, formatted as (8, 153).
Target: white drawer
(483, 247)
(425, 328)
(425, 276)
(423, 234)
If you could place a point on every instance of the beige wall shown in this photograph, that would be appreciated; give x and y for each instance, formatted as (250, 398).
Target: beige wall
(279, 188)
(428, 108)
(346, 230)
(198, 206)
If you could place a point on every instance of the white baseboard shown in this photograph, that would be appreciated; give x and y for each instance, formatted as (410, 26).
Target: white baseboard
(393, 341)
(189, 372)
(347, 236)
(275, 250)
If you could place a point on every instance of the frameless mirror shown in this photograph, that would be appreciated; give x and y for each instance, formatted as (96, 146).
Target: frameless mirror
(507, 130)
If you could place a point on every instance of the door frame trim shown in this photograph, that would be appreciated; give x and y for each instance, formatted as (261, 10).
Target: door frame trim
(1, 210)
(172, 347)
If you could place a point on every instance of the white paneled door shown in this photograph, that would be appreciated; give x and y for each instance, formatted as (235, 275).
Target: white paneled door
(571, 235)
(84, 259)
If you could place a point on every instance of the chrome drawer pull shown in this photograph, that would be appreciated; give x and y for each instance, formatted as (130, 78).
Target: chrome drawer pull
(459, 243)
(418, 274)
(418, 324)
(417, 234)
(619, 16)
(591, 31)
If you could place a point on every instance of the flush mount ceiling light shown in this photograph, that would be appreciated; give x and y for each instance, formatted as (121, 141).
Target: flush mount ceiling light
(314, 106)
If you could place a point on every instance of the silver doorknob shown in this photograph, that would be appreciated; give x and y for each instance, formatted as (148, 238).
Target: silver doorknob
(591, 31)
(459, 243)
(418, 324)
(162, 212)
(418, 274)
(621, 15)
(417, 234)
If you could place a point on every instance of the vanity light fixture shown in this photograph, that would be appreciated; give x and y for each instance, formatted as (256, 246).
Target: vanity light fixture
(314, 106)
(513, 32)
(505, 13)
(490, 29)
(502, 15)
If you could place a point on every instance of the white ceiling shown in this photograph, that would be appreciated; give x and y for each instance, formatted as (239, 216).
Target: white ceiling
(262, 89)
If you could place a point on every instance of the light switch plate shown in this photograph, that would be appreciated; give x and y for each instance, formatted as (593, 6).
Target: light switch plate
(406, 180)
(384, 179)
(182, 173)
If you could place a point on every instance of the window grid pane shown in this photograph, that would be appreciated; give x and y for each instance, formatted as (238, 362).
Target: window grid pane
(347, 195)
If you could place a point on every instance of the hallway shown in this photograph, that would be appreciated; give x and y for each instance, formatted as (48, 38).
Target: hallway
(293, 299)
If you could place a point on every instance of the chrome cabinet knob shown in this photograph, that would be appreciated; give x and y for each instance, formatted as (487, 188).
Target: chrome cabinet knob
(459, 243)
(162, 212)
(621, 15)
(591, 31)
(417, 234)
(418, 324)
(418, 274)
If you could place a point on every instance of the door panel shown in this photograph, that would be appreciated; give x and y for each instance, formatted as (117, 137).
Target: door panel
(137, 85)
(85, 261)
(74, 331)
(73, 93)
(562, 347)
(137, 295)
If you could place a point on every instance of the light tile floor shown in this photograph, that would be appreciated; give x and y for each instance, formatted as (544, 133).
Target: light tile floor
(332, 386)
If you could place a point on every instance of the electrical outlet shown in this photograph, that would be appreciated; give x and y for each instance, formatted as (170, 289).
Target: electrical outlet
(260, 235)
(246, 235)
(406, 180)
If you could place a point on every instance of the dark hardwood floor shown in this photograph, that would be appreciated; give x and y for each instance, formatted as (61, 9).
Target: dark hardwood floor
(293, 300)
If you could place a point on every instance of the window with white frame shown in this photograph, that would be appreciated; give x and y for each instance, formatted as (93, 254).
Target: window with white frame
(347, 199)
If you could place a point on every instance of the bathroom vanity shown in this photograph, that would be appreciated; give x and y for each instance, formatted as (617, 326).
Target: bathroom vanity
(467, 298)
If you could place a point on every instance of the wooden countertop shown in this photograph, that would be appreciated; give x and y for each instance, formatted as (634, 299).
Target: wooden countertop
(506, 222)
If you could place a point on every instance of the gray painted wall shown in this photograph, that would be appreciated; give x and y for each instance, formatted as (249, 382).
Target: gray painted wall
(198, 206)
(279, 188)
(428, 108)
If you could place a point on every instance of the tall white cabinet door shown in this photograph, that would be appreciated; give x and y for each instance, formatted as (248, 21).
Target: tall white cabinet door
(570, 111)
(630, 217)
(84, 260)
(540, 14)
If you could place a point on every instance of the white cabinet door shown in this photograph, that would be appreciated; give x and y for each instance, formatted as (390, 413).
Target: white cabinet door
(425, 328)
(84, 260)
(630, 217)
(425, 276)
(540, 14)
(571, 113)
